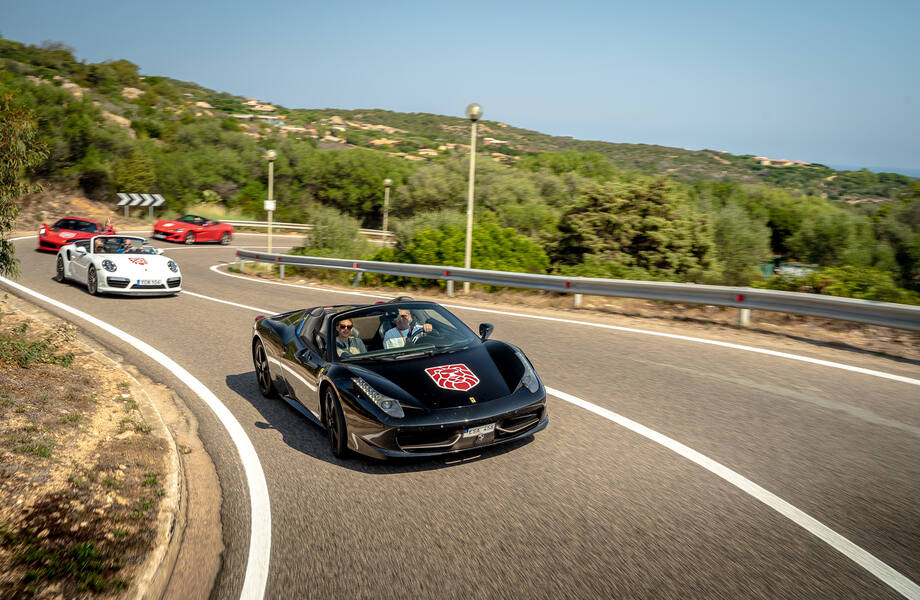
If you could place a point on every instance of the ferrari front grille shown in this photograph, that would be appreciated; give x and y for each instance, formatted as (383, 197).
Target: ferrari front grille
(427, 440)
(517, 424)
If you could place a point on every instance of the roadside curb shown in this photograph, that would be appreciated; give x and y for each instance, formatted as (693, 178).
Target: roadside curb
(152, 577)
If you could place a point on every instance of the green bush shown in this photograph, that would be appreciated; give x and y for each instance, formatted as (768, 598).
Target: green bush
(865, 283)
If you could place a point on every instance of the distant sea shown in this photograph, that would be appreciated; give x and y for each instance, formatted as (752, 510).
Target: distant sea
(915, 172)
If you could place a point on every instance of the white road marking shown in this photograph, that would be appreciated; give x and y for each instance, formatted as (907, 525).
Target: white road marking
(260, 511)
(886, 574)
(216, 269)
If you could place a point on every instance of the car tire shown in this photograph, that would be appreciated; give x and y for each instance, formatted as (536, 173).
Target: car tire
(189, 238)
(224, 238)
(263, 372)
(335, 424)
(92, 282)
(59, 270)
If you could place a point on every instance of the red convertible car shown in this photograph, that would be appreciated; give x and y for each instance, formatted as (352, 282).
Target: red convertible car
(192, 228)
(66, 231)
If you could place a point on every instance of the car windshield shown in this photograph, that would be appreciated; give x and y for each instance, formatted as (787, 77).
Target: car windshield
(193, 219)
(399, 332)
(76, 225)
(117, 244)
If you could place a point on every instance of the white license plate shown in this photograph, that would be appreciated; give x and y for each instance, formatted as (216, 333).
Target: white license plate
(481, 430)
(148, 282)
(159, 235)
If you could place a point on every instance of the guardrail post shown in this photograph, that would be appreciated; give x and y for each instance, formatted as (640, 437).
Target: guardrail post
(357, 281)
(578, 298)
(450, 287)
(744, 317)
(281, 271)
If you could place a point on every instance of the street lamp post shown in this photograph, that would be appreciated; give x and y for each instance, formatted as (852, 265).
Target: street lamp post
(473, 113)
(270, 203)
(386, 201)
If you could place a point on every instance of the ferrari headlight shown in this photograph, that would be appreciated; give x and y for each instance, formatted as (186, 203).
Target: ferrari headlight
(180, 230)
(386, 404)
(109, 266)
(529, 380)
(173, 266)
(42, 231)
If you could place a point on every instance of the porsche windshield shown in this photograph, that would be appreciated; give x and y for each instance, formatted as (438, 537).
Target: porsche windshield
(116, 244)
(395, 332)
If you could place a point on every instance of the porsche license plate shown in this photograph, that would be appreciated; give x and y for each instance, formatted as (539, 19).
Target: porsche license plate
(148, 282)
(477, 431)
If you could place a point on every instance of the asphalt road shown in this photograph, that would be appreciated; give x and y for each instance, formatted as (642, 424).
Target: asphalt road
(587, 508)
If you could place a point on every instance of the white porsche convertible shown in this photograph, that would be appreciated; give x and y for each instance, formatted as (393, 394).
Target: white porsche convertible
(118, 264)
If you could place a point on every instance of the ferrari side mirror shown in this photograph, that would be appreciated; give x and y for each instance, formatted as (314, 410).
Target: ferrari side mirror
(485, 330)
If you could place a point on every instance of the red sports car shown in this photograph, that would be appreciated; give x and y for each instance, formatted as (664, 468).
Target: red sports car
(67, 230)
(192, 228)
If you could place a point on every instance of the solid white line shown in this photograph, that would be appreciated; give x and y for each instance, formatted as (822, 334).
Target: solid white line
(260, 510)
(264, 311)
(879, 569)
(216, 269)
(673, 336)
(886, 574)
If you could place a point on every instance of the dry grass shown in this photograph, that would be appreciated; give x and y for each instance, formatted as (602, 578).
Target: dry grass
(79, 473)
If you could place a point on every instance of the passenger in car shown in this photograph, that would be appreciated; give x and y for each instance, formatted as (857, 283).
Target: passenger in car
(347, 343)
(403, 330)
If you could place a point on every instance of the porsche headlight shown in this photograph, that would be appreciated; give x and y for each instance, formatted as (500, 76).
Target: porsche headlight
(529, 380)
(386, 404)
(109, 266)
(173, 266)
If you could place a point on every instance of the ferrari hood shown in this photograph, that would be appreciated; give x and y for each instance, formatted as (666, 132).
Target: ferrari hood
(444, 380)
(171, 225)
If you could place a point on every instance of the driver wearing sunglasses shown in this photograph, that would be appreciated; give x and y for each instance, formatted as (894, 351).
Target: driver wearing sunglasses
(346, 342)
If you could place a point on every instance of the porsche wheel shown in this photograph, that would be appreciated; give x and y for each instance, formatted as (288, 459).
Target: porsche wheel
(189, 238)
(263, 373)
(59, 272)
(335, 424)
(224, 238)
(92, 282)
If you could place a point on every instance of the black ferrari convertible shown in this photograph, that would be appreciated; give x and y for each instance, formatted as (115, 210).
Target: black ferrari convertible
(399, 378)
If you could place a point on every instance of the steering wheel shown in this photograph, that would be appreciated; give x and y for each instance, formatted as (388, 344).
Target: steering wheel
(418, 334)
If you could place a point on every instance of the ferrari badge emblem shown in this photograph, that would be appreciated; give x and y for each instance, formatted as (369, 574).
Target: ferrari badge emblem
(453, 377)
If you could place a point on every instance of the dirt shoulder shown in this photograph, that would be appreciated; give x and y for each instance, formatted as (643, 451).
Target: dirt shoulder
(89, 473)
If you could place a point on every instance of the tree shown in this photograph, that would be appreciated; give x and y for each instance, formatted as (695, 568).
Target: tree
(19, 150)
(741, 244)
(134, 173)
(644, 225)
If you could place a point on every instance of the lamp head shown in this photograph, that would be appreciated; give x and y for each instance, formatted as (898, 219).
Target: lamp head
(388, 182)
(473, 112)
(271, 155)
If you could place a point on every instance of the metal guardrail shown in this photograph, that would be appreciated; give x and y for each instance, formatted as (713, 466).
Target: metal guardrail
(371, 233)
(887, 314)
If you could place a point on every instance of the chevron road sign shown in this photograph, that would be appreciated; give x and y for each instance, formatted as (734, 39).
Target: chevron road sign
(149, 200)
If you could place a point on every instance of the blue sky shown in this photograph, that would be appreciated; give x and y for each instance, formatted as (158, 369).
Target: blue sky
(820, 81)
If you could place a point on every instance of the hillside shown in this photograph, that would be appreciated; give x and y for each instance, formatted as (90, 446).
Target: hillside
(145, 106)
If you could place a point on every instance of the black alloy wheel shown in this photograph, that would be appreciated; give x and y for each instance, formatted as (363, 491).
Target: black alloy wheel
(263, 373)
(189, 238)
(59, 273)
(335, 424)
(224, 238)
(92, 281)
